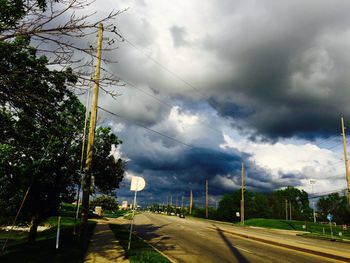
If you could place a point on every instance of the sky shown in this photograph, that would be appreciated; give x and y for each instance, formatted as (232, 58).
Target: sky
(264, 82)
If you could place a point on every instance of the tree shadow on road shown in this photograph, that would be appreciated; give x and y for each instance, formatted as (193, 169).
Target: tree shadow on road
(234, 250)
(149, 232)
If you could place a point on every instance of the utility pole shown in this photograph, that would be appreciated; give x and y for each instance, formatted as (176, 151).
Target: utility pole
(290, 210)
(286, 210)
(242, 198)
(182, 203)
(191, 200)
(171, 200)
(91, 137)
(346, 158)
(312, 182)
(177, 198)
(206, 198)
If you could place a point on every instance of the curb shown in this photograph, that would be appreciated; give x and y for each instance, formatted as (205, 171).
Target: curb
(156, 249)
(306, 250)
(345, 241)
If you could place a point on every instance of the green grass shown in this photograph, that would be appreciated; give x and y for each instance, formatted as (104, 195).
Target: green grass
(140, 251)
(316, 229)
(43, 250)
(114, 214)
(68, 209)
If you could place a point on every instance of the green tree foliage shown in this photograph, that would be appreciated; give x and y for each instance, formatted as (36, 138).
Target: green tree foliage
(256, 205)
(105, 201)
(336, 205)
(299, 200)
(107, 171)
(41, 122)
(13, 10)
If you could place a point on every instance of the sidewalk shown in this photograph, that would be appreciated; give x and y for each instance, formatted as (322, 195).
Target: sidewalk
(104, 247)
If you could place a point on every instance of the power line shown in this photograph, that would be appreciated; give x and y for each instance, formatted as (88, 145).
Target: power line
(165, 68)
(167, 104)
(149, 129)
(162, 134)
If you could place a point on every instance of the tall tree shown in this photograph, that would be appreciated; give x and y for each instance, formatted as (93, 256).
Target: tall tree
(107, 169)
(41, 120)
(336, 205)
(297, 198)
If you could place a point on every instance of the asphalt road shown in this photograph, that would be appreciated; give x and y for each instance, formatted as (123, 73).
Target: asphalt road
(185, 240)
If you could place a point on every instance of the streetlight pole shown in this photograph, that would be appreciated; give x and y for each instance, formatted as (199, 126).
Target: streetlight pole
(312, 182)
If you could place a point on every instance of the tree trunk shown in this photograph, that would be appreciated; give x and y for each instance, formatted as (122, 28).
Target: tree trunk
(33, 229)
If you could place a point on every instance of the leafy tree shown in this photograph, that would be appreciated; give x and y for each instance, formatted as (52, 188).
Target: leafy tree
(41, 125)
(229, 205)
(61, 33)
(255, 205)
(298, 198)
(41, 120)
(105, 201)
(336, 205)
(40, 117)
(107, 171)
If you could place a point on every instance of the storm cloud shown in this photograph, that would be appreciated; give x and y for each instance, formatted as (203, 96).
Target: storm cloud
(266, 79)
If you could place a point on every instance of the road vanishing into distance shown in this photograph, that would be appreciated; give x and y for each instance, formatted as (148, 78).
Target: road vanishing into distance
(193, 240)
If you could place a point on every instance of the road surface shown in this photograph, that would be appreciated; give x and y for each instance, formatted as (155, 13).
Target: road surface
(188, 240)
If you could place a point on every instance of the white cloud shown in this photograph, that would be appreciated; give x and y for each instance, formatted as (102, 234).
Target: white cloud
(304, 161)
(181, 120)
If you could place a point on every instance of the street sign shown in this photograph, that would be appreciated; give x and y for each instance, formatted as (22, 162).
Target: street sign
(329, 217)
(137, 183)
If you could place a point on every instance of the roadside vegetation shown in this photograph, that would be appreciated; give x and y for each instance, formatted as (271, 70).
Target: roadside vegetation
(140, 251)
(71, 250)
(290, 203)
(319, 229)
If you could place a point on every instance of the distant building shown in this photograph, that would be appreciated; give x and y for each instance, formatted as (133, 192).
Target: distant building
(124, 205)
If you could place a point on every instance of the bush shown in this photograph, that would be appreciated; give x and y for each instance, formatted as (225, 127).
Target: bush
(106, 202)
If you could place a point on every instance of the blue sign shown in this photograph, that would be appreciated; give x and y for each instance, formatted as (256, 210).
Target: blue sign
(329, 217)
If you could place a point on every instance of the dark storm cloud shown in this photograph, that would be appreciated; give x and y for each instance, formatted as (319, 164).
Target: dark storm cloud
(279, 68)
(177, 174)
(289, 64)
(178, 34)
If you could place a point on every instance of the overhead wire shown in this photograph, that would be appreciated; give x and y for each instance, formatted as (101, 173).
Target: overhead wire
(167, 104)
(174, 74)
(147, 128)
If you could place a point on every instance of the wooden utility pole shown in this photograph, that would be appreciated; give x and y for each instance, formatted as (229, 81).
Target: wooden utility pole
(182, 203)
(206, 198)
(290, 210)
(286, 210)
(91, 137)
(346, 158)
(177, 199)
(242, 198)
(191, 200)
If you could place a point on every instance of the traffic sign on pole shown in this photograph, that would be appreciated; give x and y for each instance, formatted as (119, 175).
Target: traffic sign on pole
(329, 217)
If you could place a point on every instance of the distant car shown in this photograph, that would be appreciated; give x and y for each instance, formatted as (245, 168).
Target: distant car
(172, 214)
(182, 215)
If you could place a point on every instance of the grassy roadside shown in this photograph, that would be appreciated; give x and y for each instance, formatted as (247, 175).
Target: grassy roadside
(140, 251)
(43, 250)
(114, 214)
(316, 229)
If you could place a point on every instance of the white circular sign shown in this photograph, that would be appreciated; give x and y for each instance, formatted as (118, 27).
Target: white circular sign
(137, 183)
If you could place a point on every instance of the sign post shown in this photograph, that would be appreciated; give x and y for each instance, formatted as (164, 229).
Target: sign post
(330, 217)
(58, 232)
(137, 184)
